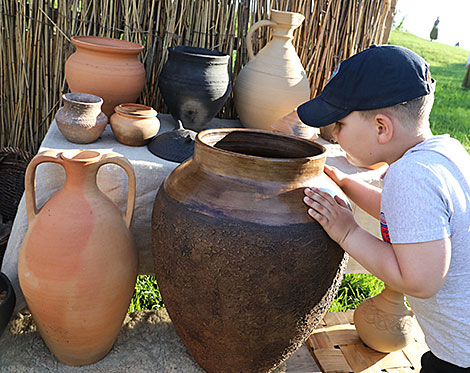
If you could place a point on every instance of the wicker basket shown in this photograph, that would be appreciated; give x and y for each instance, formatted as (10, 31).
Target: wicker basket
(13, 163)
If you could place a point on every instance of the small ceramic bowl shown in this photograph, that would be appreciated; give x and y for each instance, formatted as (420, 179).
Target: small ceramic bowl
(7, 301)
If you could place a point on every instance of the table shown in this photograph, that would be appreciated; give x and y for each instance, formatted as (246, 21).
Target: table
(150, 172)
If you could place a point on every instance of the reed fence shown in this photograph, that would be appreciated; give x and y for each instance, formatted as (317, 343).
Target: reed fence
(35, 43)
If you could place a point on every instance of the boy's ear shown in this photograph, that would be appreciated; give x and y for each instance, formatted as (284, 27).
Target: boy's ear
(384, 127)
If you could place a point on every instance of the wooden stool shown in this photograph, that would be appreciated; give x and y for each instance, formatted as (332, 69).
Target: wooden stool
(336, 347)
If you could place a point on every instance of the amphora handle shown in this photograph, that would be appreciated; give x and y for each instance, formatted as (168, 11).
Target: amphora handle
(122, 161)
(30, 191)
(251, 31)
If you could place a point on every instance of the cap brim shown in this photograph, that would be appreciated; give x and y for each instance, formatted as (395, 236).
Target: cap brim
(319, 113)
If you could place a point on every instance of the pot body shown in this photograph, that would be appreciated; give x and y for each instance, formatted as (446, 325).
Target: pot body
(384, 322)
(106, 67)
(244, 272)
(273, 82)
(195, 83)
(134, 124)
(78, 264)
(81, 120)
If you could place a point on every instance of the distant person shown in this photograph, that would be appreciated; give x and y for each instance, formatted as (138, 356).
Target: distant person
(457, 44)
(466, 80)
(435, 30)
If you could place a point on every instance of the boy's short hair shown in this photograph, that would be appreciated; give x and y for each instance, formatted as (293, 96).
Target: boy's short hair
(413, 114)
(378, 77)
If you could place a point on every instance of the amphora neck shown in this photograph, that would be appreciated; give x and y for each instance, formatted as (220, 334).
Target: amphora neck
(80, 167)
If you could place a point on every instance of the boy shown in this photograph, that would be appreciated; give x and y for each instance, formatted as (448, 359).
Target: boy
(380, 100)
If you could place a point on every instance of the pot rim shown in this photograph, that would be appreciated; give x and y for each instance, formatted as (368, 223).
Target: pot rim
(104, 44)
(80, 155)
(200, 142)
(72, 97)
(135, 110)
(205, 53)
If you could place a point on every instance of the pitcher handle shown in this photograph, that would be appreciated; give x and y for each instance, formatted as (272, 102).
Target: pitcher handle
(30, 174)
(122, 161)
(251, 31)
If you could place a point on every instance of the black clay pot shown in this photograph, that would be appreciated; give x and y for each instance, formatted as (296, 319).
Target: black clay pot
(195, 84)
(6, 304)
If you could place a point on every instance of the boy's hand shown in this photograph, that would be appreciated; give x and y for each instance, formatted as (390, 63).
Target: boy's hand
(333, 214)
(334, 174)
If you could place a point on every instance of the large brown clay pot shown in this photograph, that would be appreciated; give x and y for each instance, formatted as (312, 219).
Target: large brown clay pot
(273, 82)
(78, 264)
(105, 67)
(245, 273)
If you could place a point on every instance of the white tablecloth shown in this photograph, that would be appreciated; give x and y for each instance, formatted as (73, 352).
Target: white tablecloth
(150, 172)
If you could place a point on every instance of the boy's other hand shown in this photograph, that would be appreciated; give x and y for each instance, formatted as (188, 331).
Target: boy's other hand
(332, 213)
(334, 174)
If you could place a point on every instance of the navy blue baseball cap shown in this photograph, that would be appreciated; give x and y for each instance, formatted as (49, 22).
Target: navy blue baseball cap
(375, 78)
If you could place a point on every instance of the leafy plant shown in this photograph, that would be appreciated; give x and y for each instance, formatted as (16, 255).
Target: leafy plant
(146, 295)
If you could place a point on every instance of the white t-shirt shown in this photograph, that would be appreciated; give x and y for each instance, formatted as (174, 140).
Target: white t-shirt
(426, 197)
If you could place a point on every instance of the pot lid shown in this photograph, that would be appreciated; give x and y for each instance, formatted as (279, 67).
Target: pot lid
(175, 146)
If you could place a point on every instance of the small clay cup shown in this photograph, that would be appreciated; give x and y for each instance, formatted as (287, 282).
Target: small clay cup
(6, 304)
(81, 120)
(134, 124)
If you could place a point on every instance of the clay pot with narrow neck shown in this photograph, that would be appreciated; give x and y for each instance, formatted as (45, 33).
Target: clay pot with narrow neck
(78, 264)
(384, 322)
(81, 120)
(195, 83)
(244, 272)
(273, 82)
(106, 67)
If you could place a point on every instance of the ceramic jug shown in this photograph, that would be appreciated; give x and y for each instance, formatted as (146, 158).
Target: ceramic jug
(273, 82)
(78, 264)
(106, 67)
(245, 273)
(384, 322)
(81, 120)
(195, 83)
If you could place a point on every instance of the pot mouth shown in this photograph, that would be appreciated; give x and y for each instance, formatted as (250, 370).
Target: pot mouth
(80, 155)
(82, 98)
(260, 144)
(100, 43)
(136, 110)
(198, 52)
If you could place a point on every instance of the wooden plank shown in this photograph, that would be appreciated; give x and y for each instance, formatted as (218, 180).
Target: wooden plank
(331, 360)
(354, 358)
(345, 336)
(338, 318)
(413, 352)
(319, 339)
(396, 359)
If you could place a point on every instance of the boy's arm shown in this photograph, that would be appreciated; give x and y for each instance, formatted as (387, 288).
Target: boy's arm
(363, 194)
(417, 269)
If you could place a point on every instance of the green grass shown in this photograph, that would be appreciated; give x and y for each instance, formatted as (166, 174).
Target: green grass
(450, 114)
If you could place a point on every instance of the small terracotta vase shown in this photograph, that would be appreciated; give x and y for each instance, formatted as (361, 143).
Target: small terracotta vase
(78, 264)
(273, 82)
(134, 124)
(106, 67)
(81, 120)
(384, 322)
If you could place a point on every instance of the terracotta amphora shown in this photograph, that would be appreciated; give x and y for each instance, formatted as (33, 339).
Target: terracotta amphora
(244, 272)
(81, 120)
(384, 322)
(273, 82)
(105, 67)
(78, 264)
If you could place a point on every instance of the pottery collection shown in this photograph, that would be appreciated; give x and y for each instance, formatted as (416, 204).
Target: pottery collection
(244, 272)
(105, 67)
(273, 82)
(81, 120)
(384, 322)
(195, 83)
(134, 124)
(78, 264)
